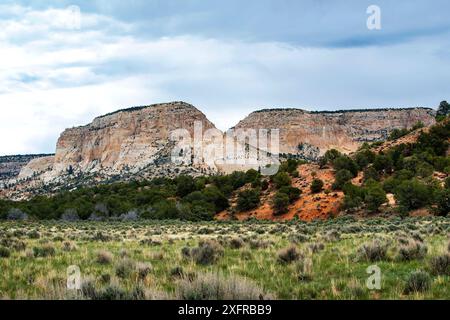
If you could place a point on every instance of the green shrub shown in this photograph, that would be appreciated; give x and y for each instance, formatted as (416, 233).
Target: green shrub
(413, 194)
(440, 265)
(383, 163)
(248, 200)
(342, 177)
(375, 196)
(371, 174)
(280, 203)
(281, 179)
(4, 252)
(418, 281)
(442, 201)
(316, 186)
(345, 163)
(292, 192)
(46, 250)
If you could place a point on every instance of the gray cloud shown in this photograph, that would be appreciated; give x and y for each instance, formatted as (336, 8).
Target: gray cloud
(227, 58)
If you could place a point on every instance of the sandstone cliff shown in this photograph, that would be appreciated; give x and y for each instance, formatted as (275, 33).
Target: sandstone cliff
(130, 139)
(10, 166)
(127, 144)
(309, 134)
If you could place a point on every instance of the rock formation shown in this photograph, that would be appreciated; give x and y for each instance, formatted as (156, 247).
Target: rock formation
(309, 134)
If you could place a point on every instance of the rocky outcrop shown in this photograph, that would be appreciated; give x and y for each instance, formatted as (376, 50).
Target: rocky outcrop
(37, 167)
(309, 134)
(10, 166)
(127, 140)
(127, 144)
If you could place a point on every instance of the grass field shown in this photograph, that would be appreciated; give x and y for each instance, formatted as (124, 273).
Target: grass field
(226, 260)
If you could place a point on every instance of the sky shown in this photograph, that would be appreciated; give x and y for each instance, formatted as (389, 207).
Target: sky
(62, 63)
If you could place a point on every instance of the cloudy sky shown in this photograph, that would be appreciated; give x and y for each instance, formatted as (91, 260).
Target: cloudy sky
(228, 58)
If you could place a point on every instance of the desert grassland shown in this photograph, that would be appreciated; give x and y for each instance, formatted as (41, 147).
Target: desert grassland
(227, 260)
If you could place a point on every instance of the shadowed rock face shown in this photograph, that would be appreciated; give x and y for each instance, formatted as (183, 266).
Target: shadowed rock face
(310, 134)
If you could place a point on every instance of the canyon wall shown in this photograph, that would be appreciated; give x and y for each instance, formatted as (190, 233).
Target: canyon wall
(310, 134)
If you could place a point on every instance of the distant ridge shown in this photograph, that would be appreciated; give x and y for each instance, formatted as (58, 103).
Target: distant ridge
(137, 108)
(343, 110)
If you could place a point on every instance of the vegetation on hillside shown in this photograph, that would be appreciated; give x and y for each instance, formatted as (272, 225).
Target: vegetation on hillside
(406, 170)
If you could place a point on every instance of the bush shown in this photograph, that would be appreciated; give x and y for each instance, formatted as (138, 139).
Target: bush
(143, 269)
(375, 196)
(316, 186)
(46, 250)
(292, 192)
(373, 251)
(288, 255)
(213, 286)
(208, 252)
(342, 177)
(371, 174)
(252, 175)
(248, 200)
(70, 215)
(281, 179)
(104, 257)
(280, 203)
(442, 202)
(414, 250)
(185, 185)
(440, 265)
(236, 243)
(364, 157)
(4, 252)
(34, 234)
(346, 163)
(413, 194)
(125, 268)
(418, 281)
(16, 214)
(383, 163)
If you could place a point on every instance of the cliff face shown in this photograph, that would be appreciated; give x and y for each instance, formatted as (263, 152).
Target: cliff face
(126, 140)
(310, 134)
(10, 166)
